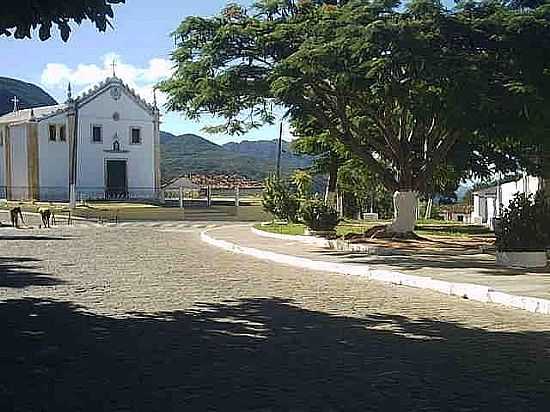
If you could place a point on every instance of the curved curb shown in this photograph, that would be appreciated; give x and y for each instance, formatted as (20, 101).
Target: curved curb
(480, 293)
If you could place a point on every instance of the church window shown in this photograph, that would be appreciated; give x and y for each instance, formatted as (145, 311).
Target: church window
(62, 133)
(135, 137)
(97, 133)
(53, 132)
(116, 146)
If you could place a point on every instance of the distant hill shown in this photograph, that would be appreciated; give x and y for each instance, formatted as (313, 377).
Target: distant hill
(190, 153)
(28, 94)
(266, 151)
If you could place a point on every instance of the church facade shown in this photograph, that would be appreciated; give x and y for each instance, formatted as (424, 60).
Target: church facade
(101, 145)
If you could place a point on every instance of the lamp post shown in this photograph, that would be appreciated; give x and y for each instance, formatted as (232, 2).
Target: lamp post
(279, 151)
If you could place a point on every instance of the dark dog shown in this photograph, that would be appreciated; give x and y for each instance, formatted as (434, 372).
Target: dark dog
(15, 213)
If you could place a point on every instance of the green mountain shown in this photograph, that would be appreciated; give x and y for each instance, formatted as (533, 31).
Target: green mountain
(190, 153)
(28, 94)
(266, 152)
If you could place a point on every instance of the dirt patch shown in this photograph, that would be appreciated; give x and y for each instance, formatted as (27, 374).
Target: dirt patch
(430, 244)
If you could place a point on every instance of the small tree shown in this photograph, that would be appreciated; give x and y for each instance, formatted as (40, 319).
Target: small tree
(279, 199)
(303, 182)
(318, 216)
(355, 178)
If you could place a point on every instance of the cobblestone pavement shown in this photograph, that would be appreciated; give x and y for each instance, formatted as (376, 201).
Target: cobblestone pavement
(145, 317)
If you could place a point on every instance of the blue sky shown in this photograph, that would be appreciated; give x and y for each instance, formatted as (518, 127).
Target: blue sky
(141, 45)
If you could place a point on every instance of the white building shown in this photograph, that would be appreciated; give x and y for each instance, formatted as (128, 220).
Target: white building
(104, 143)
(489, 202)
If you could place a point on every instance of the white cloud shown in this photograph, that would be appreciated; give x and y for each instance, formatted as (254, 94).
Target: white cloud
(57, 76)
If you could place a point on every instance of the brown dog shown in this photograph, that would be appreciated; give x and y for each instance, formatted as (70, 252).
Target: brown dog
(45, 214)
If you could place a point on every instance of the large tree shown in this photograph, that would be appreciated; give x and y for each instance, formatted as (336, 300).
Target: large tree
(404, 89)
(20, 18)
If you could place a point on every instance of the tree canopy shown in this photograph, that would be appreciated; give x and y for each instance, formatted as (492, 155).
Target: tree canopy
(409, 90)
(20, 18)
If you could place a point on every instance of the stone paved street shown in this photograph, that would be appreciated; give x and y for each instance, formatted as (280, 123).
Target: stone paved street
(144, 317)
(479, 269)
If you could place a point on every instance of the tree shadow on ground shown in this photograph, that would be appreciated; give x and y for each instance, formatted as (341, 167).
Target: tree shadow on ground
(261, 354)
(477, 264)
(15, 272)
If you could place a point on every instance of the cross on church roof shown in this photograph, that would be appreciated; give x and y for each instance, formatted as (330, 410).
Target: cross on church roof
(113, 65)
(15, 100)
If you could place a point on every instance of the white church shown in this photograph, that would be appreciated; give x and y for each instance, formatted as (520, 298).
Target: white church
(101, 145)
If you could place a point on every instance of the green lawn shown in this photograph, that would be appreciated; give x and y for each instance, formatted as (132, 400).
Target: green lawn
(453, 230)
(423, 228)
(282, 228)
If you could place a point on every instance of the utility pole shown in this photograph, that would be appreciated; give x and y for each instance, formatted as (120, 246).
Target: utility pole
(279, 151)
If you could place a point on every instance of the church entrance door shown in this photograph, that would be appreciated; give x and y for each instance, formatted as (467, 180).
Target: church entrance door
(116, 180)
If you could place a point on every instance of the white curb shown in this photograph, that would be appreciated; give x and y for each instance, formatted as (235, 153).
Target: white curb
(471, 291)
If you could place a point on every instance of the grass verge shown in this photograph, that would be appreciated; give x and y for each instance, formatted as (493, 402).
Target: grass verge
(429, 229)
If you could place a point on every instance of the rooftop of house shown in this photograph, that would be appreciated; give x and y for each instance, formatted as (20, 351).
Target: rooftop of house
(183, 182)
(35, 113)
(486, 191)
(39, 113)
(457, 208)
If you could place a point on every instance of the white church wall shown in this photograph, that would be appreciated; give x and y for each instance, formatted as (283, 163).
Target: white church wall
(476, 213)
(19, 167)
(53, 160)
(92, 156)
(2, 162)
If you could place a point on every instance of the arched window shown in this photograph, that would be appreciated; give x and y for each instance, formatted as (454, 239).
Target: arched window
(116, 146)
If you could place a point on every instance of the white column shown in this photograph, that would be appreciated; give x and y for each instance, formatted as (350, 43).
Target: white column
(405, 206)
(72, 196)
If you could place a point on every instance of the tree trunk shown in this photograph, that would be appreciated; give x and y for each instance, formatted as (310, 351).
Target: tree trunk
(429, 209)
(371, 202)
(546, 188)
(340, 203)
(404, 204)
(330, 194)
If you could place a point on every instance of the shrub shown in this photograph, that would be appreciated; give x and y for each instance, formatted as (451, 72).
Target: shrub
(279, 200)
(303, 182)
(317, 215)
(524, 225)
